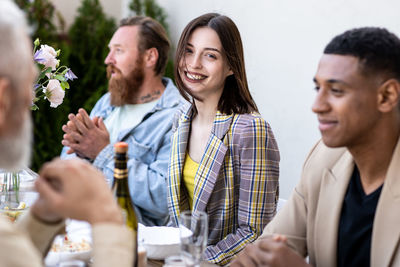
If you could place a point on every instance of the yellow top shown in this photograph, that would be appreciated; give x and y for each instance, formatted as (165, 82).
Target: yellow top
(189, 172)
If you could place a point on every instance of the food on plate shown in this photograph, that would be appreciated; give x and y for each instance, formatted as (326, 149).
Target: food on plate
(67, 245)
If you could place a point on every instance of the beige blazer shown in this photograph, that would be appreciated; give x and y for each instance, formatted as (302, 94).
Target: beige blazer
(313, 210)
(26, 242)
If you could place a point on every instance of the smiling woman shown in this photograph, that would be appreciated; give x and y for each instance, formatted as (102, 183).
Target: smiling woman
(224, 157)
(203, 67)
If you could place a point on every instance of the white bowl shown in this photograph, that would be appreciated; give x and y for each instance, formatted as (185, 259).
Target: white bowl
(11, 203)
(159, 241)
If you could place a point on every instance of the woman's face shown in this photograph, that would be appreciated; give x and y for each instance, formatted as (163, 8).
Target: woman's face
(203, 67)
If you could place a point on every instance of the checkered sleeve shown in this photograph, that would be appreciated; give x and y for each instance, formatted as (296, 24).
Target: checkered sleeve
(258, 192)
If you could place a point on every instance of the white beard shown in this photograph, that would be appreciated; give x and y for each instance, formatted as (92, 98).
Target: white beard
(15, 150)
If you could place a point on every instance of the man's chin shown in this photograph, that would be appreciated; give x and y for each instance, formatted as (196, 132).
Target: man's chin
(332, 143)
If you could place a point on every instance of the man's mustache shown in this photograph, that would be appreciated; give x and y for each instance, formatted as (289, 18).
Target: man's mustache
(110, 69)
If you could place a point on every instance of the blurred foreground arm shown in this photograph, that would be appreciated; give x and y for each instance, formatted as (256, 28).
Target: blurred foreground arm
(74, 189)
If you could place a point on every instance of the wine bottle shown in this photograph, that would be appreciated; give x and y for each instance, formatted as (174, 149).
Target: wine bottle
(121, 191)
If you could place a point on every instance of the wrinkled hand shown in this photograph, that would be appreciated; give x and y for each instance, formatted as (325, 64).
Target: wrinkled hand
(74, 189)
(271, 252)
(84, 136)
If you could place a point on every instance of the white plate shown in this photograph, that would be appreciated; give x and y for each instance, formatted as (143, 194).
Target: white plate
(53, 258)
(77, 231)
(159, 241)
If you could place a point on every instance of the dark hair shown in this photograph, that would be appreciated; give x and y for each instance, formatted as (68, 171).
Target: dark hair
(151, 34)
(377, 49)
(236, 97)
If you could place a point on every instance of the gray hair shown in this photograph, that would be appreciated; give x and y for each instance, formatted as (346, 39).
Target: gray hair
(15, 48)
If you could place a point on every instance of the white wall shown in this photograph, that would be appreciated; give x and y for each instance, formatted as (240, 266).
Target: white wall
(68, 8)
(283, 41)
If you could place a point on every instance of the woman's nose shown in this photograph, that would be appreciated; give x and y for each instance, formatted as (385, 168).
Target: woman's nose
(195, 61)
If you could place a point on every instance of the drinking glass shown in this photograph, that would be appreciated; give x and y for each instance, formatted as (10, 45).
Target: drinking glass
(193, 229)
(174, 261)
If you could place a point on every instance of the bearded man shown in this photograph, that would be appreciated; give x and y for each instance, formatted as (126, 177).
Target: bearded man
(138, 110)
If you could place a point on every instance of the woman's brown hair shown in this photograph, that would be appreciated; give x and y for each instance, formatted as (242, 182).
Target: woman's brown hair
(236, 97)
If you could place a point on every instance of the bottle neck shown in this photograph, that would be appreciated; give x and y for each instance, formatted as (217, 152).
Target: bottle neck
(120, 166)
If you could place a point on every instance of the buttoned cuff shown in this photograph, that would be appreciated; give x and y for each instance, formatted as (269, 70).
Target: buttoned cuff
(105, 155)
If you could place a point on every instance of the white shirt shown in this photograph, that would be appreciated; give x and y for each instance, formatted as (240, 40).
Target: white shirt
(126, 116)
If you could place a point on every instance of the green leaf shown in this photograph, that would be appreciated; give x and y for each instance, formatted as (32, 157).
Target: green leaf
(43, 73)
(64, 85)
(34, 107)
(61, 78)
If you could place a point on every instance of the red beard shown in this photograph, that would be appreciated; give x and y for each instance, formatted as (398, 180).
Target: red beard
(124, 90)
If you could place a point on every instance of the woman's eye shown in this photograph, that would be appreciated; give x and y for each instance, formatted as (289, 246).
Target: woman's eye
(211, 56)
(188, 50)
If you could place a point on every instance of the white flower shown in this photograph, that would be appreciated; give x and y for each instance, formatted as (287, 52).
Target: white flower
(52, 79)
(54, 93)
(48, 56)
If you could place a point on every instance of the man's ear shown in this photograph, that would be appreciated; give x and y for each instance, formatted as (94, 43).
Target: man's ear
(5, 101)
(388, 95)
(151, 57)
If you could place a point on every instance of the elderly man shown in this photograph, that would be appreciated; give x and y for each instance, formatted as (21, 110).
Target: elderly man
(344, 210)
(67, 188)
(138, 110)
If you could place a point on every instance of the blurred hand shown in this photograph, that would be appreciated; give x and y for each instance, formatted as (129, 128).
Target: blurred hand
(271, 252)
(74, 189)
(84, 136)
(42, 210)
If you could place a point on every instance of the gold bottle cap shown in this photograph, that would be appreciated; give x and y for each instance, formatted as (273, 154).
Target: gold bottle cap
(121, 147)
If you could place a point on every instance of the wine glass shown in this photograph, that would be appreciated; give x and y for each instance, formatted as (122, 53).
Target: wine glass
(193, 228)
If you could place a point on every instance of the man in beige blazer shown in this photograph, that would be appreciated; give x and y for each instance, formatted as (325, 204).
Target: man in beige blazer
(67, 188)
(345, 209)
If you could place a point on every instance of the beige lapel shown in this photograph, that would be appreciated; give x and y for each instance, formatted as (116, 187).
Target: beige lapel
(386, 230)
(333, 189)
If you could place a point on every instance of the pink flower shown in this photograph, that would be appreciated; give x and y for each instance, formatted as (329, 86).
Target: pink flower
(54, 93)
(48, 56)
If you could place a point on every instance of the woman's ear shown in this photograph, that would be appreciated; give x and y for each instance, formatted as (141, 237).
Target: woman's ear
(388, 95)
(5, 101)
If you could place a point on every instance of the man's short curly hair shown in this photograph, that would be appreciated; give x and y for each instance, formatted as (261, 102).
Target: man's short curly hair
(377, 49)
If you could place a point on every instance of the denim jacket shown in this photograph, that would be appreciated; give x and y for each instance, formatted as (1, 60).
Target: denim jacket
(149, 147)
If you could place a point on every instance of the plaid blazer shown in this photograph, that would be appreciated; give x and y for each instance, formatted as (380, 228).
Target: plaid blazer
(236, 183)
